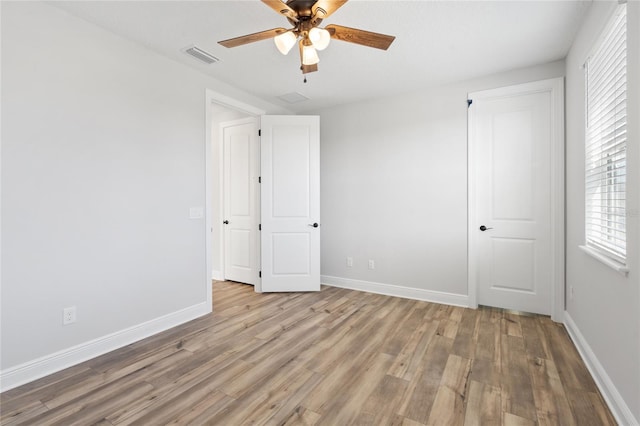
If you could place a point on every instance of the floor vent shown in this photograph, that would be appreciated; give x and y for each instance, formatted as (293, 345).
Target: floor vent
(201, 55)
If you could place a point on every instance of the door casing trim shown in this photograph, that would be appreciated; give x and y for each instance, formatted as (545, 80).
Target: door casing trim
(555, 87)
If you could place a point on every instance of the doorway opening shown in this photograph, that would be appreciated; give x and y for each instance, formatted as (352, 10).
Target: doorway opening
(219, 109)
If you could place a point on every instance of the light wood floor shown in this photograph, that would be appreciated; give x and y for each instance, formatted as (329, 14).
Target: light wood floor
(336, 357)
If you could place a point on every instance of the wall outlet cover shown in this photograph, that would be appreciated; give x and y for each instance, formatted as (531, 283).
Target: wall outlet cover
(69, 315)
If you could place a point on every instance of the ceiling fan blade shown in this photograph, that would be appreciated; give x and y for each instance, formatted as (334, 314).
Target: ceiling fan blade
(323, 8)
(250, 38)
(365, 38)
(282, 9)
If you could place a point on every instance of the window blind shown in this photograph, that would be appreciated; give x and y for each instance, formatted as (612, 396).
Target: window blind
(606, 140)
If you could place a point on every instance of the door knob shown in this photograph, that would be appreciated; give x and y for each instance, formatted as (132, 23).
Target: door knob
(484, 228)
(315, 225)
(226, 222)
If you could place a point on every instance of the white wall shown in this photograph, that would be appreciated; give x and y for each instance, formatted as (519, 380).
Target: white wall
(605, 308)
(103, 154)
(394, 187)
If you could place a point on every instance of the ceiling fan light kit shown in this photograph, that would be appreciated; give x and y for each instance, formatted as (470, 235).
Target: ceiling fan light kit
(306, 16)
(309, 54)
(319, 37)
(285, 41)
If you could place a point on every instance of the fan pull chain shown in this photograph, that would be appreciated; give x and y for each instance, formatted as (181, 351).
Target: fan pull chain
(305, 79)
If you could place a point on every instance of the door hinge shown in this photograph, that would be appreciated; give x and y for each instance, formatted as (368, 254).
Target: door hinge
(259, 227)
(259, 132)
(260, 274)
(259, 179)
(469, 102)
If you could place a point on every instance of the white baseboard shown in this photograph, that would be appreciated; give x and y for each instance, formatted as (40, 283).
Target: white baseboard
(616, 403)
(398, 291)
(217, 275)
(48, 364)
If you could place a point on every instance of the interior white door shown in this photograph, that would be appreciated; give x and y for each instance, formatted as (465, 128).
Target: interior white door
(511, 145)
(290, 203)
(241, 200)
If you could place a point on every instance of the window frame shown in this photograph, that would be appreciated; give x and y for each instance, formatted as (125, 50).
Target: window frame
(599, 237)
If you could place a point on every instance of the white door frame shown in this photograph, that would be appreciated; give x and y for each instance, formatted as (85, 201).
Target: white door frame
(555, 87)
(213, 97)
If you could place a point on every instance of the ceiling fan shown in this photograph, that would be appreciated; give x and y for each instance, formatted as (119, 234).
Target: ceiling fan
(306, 16)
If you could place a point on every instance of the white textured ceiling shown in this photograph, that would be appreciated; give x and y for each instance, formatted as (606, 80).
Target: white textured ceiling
(437, 42)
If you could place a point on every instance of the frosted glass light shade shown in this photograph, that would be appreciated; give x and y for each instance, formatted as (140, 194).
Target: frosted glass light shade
(309, 55)
(285, 41)
(320, 38)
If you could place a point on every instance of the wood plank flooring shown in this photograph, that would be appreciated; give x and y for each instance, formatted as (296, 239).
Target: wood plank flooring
(337, 357)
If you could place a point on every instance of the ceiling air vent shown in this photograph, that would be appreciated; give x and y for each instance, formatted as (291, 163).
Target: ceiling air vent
(293, 97)
(201, 55)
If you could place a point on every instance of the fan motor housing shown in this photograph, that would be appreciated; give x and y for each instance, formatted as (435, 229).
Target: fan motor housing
(303, 8)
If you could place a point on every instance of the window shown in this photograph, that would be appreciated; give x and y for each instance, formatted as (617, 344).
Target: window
(606, 141)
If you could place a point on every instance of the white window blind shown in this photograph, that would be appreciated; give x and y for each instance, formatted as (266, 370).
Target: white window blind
(606, 141)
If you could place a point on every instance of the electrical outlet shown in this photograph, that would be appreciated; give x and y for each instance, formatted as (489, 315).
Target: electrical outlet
(372, 264)
(349, 262)
(69, 315)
